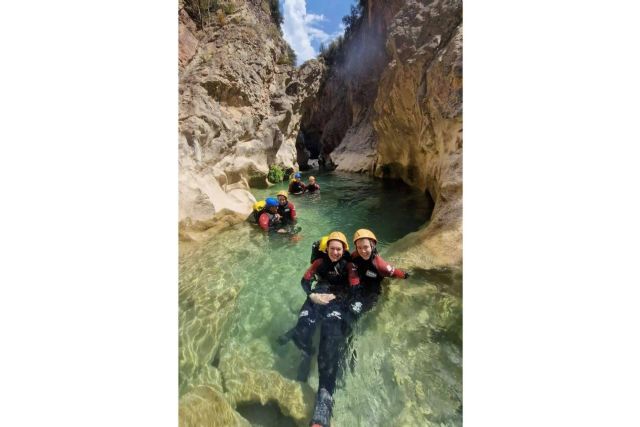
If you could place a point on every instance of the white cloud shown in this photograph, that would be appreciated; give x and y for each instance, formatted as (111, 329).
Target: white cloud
(298, 29)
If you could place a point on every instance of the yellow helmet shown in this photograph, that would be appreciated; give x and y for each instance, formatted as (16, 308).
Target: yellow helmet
(283, 193)
(337, 235)
(312, 177)
(364, 233)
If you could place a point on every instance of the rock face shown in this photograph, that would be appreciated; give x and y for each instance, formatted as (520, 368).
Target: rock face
(239, 108)
(393, 108)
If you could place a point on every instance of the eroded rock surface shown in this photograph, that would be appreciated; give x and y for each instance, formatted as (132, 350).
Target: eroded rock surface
(239, 108)
(393, 108)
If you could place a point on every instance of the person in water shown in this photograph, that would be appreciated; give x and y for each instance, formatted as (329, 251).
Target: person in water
(326, 304)
(286, 209)
(313, 186)
(269, 219)
(371, 269)
(296, 186)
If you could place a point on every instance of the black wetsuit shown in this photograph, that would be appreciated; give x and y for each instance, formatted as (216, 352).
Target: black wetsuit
(312, 188)
(287, 212)
(370, 273)
(296, 187)
(332, 278)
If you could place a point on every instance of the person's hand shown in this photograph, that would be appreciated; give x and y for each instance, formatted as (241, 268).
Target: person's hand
(321, 299)
(282, 230)
(355, 307)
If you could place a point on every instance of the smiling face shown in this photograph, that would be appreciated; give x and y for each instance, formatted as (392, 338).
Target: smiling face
(364, 248)
(335, 250)
(282, 200)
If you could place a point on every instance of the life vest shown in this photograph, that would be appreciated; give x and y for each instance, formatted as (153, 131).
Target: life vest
(285, 211)
(296, 187)
(333, 277)
(369, 275)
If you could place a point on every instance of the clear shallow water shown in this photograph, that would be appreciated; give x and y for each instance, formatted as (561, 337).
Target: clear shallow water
(240, 290)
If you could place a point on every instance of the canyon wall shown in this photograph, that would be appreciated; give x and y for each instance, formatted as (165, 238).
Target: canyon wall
(240, 102)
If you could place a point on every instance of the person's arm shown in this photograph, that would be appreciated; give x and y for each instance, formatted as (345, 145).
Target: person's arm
(387, 270)
(263, 221)
(293, 211)
(308, 276)
(315, 298)
(355, 290)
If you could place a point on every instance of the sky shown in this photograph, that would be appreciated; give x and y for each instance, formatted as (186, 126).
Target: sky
(307, 23)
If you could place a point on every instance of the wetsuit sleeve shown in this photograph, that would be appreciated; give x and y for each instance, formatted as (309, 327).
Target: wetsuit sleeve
(293, 211)
(308, 276)
(354, 279)
(387, 270)
(263, 222)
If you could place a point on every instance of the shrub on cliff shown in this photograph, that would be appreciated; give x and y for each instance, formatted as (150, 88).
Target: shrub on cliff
(276, 174)
(274, 6)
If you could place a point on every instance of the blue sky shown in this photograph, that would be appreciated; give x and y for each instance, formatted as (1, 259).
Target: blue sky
(307, 23)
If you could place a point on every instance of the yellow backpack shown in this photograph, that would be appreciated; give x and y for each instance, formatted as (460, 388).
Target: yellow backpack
(258, 207)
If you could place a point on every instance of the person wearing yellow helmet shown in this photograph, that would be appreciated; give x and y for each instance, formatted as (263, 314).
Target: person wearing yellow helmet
(326, 302)
(286, 209)
(312, 186)
(371, 270)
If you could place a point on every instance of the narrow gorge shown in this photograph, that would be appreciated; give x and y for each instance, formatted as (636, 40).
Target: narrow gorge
(380, 109)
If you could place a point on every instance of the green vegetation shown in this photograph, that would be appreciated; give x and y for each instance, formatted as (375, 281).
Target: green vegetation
(334, 53)
(274, 7)
(276, 174)
(209, 12)
(202, 11)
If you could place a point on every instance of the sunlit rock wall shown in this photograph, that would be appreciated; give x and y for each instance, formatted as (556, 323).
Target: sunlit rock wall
(239, 109)
(394, 109)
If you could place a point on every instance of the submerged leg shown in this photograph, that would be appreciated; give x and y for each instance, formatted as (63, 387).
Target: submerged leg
(304, 367)
(332, 343)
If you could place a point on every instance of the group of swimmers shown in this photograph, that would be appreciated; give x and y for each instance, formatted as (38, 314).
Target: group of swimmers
(340, 287)
(278, 213)
(296, 186)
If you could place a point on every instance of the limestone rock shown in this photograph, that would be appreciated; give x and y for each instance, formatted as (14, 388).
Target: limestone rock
(239, 109)
(205, 406)
(393, 108)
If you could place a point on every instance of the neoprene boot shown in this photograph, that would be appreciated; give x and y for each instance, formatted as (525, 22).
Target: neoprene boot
(322, 412)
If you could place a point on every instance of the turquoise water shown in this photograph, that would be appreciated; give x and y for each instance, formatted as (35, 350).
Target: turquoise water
(241, 289)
